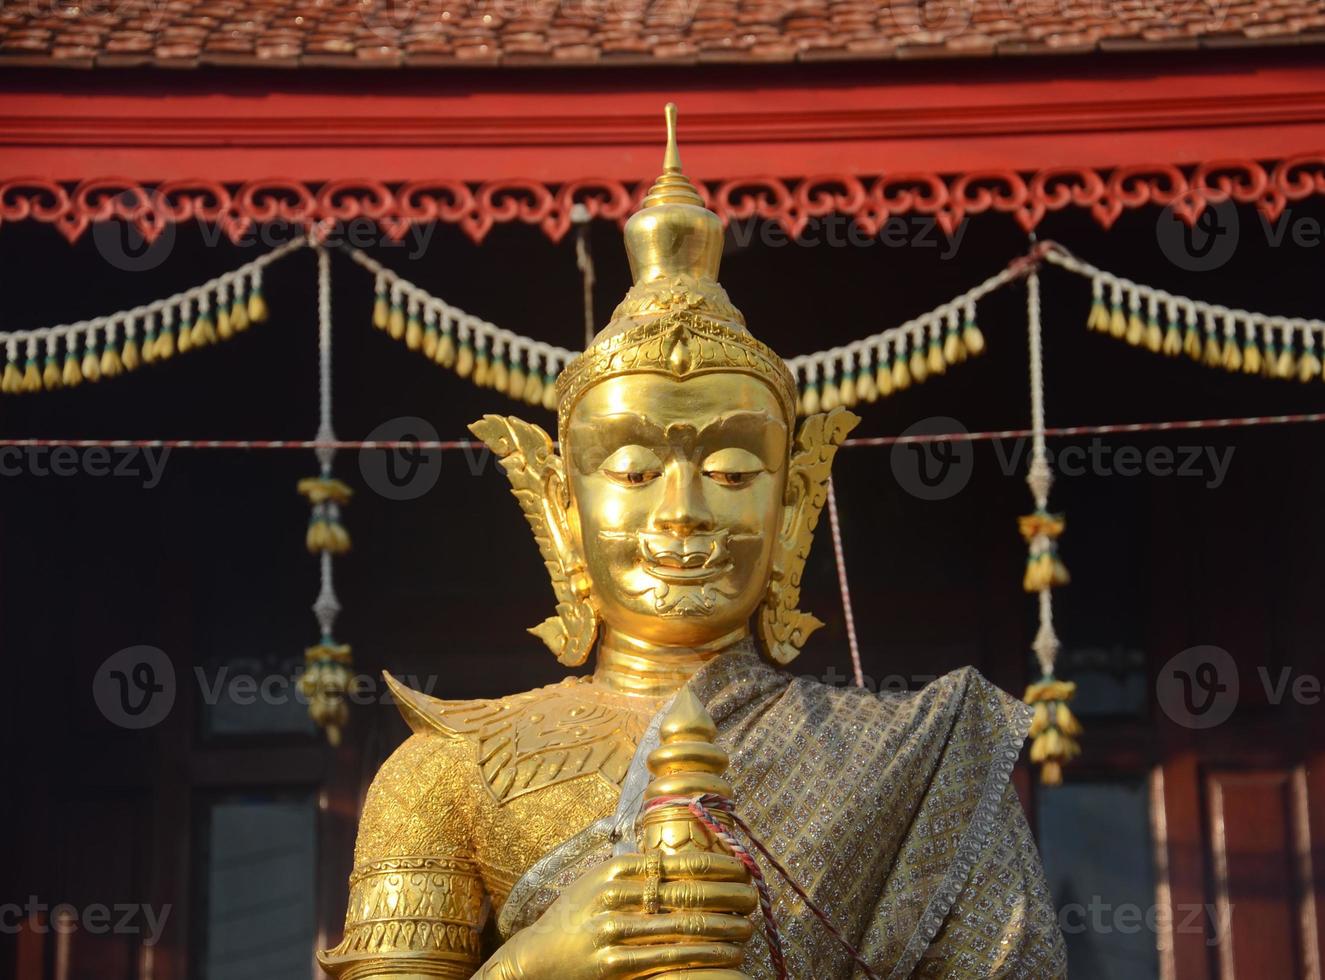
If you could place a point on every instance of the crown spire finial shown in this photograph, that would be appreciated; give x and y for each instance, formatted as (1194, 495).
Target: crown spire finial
(673, 187)
(672, 156)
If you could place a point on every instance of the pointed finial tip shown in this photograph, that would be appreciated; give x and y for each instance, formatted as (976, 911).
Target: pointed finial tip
(672, 158)
(687, 719)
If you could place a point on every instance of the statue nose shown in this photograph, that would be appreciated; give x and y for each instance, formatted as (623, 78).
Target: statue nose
(682, 510)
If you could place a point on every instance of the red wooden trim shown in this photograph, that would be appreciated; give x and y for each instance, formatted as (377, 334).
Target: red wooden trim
(870, 201)
(554, 127)
(950, 140)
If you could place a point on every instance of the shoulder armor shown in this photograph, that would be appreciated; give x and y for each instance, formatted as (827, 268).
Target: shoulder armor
(529, 741)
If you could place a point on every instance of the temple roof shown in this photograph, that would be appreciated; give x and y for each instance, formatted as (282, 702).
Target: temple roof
(459, 33)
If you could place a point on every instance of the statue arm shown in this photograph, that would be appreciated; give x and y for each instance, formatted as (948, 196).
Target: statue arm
(1003, 924)
(417, 903)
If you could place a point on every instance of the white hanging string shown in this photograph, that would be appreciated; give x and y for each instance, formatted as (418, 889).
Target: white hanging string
(1040, 476)
(327, 606)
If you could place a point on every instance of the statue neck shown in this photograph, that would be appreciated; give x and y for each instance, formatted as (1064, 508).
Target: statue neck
(633, 666)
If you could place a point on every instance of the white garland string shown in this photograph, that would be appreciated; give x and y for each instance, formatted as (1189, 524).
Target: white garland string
(835, 360)
(164, 307)
(1192, 308)
(1039, 477)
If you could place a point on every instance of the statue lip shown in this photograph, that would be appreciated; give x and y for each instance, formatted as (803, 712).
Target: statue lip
(695, 558)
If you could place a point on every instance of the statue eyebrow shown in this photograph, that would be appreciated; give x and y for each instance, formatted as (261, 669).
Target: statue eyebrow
(622, 427)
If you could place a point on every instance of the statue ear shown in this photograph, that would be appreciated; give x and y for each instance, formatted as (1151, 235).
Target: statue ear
(784, 628)
(538, 480)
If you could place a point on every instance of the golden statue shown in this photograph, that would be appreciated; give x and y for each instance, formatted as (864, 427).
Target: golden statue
(504, 840)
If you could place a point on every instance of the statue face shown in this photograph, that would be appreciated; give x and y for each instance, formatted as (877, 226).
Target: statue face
(677, 497)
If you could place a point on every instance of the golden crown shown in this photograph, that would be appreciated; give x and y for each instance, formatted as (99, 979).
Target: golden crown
(676, 319)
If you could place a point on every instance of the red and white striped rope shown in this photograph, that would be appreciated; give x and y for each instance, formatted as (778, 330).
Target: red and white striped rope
(451, 444)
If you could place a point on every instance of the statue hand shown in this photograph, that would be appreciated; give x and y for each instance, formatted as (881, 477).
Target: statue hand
(598, 929)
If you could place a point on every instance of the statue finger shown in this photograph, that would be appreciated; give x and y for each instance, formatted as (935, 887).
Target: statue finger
(674, 927)
(706, 896)
(700, 975)
(701, 865)
(709, 896)
(631, 962)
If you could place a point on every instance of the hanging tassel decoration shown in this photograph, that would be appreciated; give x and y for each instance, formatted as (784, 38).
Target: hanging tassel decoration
(1098, 319)
(919, 364)
(464, 364)
(239, 318)
(1117, 318)
(224, 328)
(150, 338)
(1191, 338)
(1213, 356)
(1172, 335)
(1232, 352)
(257, 302)
(935, 361)
(1251, 351)
(395, 321)
(1154, 340)
(846, 394)
(381, 309)
(325, 532)
(50, 375)
(482, 363)
(901, 372)
(446, 352)
(533, 385)
(866, 388)
(325, 682)
(165, 341)
(12, 379)
(1287, 365)
(1136, 327)
(1054, 729)
(497, 370)
(31, 372)
(111, 364)
(810, 397)
(550, 384)
(430, 335)
(184, 334)
(515, 379)
(71, 375)
(828, 394)
(971, 335)
(1308, 365)
(414, 325)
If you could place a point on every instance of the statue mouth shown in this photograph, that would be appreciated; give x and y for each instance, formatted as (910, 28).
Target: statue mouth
(690, 560)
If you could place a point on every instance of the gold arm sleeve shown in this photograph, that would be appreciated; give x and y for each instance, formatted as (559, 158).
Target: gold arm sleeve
(417, 903)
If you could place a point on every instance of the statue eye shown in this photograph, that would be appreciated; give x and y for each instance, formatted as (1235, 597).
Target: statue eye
(732, 467)
(632, 466)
